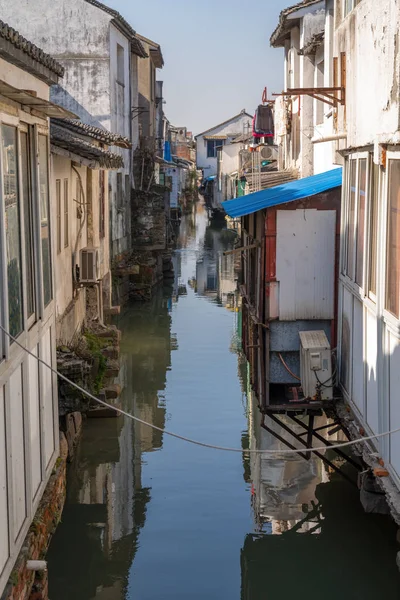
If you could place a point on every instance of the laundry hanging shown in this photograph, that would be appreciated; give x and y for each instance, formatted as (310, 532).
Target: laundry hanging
(264, 121)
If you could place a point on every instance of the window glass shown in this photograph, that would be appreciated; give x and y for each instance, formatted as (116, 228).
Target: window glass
(373, 228)
(393, 240)
(351, 219)
(28, 222)
(362, 180)
(66, 214)
(58, 203)
(213, 146)
(12, 228)
(44, 218)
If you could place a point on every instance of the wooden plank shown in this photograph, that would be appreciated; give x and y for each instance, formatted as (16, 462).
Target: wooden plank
(241, 249)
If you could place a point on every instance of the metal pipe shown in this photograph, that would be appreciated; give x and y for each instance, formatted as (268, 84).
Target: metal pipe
(83, 203)
(329, 138)
(36, 565)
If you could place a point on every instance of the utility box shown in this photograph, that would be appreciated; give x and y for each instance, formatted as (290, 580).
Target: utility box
(89, 265)
(316, 364)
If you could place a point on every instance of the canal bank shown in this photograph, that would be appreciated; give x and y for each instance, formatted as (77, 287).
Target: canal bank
(150, 517)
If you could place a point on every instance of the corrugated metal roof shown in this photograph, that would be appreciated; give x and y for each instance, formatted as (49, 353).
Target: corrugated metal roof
(281, 194)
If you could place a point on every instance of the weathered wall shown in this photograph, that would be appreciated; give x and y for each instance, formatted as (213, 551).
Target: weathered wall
(68, 321)
(231, 129)
(147, 86)
(20, 79)
(369, 37)
(77, 35)
(120, 202)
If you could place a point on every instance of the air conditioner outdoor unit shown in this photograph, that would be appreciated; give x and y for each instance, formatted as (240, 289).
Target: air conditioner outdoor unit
(89, 265)
(268, 153)
(315, 364)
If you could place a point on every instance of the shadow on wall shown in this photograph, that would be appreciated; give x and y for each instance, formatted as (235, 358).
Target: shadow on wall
(60, 96)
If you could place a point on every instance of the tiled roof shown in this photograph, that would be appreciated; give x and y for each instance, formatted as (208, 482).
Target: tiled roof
(283, 28)
(101, 135)
(62, 138)
(11, 35)
(137, 47)
(312, 46)
(242, 113)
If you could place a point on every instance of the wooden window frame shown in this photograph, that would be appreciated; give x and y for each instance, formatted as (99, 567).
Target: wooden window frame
(66, 213)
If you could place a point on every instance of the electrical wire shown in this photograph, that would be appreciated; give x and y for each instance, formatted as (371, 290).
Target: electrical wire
(287, 368)
(189, 440)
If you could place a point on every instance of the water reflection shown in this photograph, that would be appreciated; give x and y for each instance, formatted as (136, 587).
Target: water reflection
(149, 517)
(309, 526)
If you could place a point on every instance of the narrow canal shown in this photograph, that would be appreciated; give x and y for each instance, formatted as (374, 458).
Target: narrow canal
(149, 517)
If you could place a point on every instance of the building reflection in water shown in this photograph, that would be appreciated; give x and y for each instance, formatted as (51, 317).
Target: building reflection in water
(309, 525)
(217, 274)
(106, 503)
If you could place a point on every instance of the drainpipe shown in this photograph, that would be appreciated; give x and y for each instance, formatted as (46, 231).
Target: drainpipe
(329, 138)
(78, 237)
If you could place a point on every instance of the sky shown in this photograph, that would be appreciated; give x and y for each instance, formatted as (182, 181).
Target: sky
(216, 52)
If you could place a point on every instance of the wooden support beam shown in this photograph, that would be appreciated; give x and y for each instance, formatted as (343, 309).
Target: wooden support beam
(242, 249)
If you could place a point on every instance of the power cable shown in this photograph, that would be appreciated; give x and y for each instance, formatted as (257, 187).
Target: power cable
(189, 440)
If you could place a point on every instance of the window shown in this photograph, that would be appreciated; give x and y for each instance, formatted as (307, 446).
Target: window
(351, 219)
(66, 214)
(58, 203)
(373, 229)
(360, 227)
(212, 147)
(44, 217)
(349, 5)
(393, 240)
(28, 223)
(120, 65)
(102, 202)
(12, 228)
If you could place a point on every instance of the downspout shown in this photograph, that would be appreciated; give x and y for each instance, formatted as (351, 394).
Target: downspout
(329, 138)
(78, 237)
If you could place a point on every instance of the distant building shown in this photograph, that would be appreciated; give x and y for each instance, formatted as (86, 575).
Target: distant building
(100, 53)
(208, 142)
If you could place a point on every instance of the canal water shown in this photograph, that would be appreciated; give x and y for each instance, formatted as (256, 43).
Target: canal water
(149, 517)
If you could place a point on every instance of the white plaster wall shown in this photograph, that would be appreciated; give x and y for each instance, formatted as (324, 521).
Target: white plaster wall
(235, 126)
(22, 80)
(230, 158)
(120, 123)
(369, 36)
(61, 169)
(77, 35)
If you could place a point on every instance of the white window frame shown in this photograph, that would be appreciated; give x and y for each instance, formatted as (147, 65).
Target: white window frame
(353, 3)
(358, 290)
(390, 319)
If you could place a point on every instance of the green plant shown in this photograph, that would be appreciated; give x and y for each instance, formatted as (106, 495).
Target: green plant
(95, 345)
(14, 577)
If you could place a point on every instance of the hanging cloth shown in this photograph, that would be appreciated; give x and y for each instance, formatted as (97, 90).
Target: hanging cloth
(264, 121)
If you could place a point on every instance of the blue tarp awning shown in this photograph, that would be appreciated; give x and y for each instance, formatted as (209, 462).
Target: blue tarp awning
(281, 194)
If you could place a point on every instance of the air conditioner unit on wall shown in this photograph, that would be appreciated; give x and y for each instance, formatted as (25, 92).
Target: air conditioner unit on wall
(89, 265)
(316, 364)
(268, 153)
